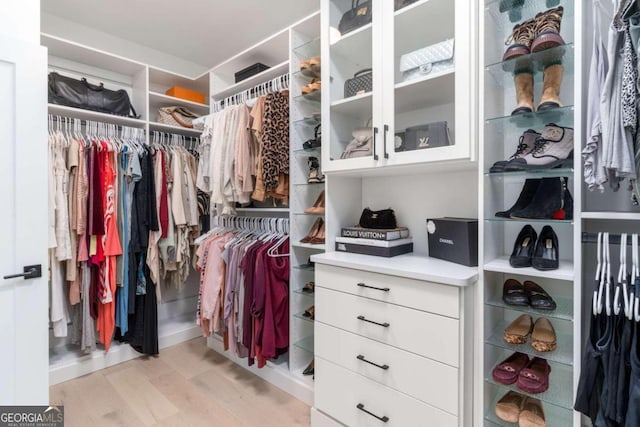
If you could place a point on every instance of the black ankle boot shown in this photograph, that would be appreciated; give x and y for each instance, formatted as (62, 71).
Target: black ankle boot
(524, 199)
(548, 200)
(545, 256)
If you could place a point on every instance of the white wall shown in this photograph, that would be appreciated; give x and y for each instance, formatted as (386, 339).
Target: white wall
(81, 34)
(21, 20)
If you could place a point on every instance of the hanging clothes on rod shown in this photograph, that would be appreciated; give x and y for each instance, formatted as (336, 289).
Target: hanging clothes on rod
(609, 387)
(244, 286)
(245, 149)
(123, 215)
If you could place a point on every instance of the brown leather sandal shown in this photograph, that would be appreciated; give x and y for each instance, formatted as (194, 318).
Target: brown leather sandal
(532, 414)
(543, 337)
(509, 406)
(518, 331)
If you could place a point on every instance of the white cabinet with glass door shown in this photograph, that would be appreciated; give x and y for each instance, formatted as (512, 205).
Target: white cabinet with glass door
(397, 103)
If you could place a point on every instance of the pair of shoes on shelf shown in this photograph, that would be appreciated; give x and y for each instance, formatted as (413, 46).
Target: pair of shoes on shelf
(552, 148)
(311, 67)
(309, 287)
(531, 36)
(543, 336)
(539, 252)
(315, 177)
(529, 375)
(310, 312)
(316, 141)
(542, 198)
(527, 294)
(516, 408)
(318, 206)
(316, 234)
(314, 86)
(309, 370)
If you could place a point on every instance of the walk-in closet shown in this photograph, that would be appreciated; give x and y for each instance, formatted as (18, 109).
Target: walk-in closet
(320, 213)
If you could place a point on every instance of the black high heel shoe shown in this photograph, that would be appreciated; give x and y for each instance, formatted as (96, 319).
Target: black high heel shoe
(523, 248)
(545, 256)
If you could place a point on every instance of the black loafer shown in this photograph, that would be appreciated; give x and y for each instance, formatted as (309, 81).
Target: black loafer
(513, 293)
(545, 256)
(523, 248)
(538, 297)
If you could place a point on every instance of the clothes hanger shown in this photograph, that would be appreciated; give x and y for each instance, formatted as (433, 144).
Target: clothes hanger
(607, 271)
(636, 275)
(617, 304)
(596, 301)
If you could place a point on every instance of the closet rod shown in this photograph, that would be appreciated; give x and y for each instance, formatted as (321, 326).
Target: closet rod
(280, 82)
(64, 119)
(614, 239)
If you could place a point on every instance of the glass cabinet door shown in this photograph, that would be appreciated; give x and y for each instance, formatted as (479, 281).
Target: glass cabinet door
(349, 74)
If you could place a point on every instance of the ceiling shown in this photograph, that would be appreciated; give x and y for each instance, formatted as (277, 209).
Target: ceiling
(205, 32)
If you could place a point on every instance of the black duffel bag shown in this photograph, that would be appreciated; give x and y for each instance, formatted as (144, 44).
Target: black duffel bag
(82, 94)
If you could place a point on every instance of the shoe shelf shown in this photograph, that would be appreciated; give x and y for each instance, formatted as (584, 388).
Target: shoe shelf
(501, 265)
(305, 74)
(301, 316)
(563, 354)
(308, 49)
(312, 152)
(311, 96)
(499, 126)
(304, 267)
(502, 72)
(303, 293)
(310, 184)
(502, 22)
(531, 173)
(558, 394)
(305, 344)
(306, 121)
(563, 311)
(555, 416)
(319, 246)
(532, 221)
(307, 214)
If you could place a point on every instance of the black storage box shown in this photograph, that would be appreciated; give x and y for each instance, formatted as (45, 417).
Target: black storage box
(251, 70)
(454, 239)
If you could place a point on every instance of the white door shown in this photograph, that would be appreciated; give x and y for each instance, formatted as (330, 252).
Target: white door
(23, 224)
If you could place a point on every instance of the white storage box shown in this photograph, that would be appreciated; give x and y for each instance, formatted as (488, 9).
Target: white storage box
(427, 60)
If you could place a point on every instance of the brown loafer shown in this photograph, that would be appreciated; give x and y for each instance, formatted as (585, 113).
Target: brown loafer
(518, 331)
(532, 414)
(543, 337)
(509, 406)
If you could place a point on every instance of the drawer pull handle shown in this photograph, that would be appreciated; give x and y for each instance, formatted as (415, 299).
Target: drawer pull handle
(361, 357)
(362, 285)
(364, 319)
(384, 419)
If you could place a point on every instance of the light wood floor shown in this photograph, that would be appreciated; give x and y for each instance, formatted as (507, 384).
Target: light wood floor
(187, 385)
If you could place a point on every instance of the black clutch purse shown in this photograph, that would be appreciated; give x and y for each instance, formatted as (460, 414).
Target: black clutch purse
(71, 92)
(356, 17)
(379, 220)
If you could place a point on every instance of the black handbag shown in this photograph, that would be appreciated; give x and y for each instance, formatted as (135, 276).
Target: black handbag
(361, 82)
(356, 17)
(71, 92)
(379, 220)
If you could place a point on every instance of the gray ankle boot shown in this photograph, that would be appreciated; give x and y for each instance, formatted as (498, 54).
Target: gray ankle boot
(553, 148)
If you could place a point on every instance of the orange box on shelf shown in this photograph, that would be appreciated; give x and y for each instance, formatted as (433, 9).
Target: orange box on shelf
(186, 94)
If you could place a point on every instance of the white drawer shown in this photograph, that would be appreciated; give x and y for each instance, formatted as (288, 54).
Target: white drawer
(319, 419)
(430, 335)
(429, 381)
(339, 392)
(426, 296)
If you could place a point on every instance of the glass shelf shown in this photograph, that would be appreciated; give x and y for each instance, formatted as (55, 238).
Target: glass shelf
(305, 267)
(503, 22)
(301, 317)
(555, 415)
(544, 221)
(307, 122)
(558, 393)
(500, 126)
(306, 74)
(563, 311)
(306, 344)
(308, 49)
(304, 293)
(502, 72)
(562, 354)
(307, 184)
(310, 97)
(307, 214)
(533, 173)
(313, 151)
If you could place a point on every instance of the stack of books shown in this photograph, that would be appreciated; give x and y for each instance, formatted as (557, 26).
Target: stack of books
(369, 241)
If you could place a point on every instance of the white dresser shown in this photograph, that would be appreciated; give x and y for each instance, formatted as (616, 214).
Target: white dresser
(393, 341)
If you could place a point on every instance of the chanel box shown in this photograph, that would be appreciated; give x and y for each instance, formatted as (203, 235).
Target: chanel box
(453, 239)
